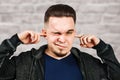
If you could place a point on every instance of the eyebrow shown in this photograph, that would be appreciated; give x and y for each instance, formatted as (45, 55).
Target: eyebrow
(70, 30)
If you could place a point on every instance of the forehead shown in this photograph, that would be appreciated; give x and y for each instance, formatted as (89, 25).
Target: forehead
(61, 23)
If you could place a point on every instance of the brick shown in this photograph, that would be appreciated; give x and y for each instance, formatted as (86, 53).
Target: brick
(113, 9)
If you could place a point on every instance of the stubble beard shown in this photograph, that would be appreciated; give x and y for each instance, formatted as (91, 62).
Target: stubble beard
(60, 53)
(57, 52)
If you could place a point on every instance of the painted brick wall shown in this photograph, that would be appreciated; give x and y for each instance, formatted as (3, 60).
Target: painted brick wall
(99, 17)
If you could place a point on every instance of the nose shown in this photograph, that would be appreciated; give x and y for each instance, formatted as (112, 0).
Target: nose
(62, 38)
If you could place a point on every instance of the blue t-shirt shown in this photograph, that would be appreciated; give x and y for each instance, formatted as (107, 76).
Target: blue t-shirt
(63, 69)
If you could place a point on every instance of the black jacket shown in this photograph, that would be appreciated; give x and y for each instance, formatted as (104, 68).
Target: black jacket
(30, 65)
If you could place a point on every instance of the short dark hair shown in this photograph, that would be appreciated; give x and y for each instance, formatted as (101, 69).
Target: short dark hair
(60, 10)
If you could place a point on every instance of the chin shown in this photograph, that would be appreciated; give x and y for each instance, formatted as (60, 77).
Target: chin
(60, 54)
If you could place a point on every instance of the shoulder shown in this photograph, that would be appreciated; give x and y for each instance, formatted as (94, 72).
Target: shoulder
(84, 56)
(31, 54)
(24, 57)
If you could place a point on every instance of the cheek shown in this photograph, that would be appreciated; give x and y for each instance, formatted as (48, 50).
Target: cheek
(70, 40)
(51, 39)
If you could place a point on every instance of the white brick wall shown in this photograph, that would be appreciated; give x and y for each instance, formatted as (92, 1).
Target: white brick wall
(99, 17)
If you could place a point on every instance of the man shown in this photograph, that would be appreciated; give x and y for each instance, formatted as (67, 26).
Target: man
(57, 60)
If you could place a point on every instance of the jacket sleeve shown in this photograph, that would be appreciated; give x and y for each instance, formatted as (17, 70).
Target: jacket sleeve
(106, 53)
(7, 65)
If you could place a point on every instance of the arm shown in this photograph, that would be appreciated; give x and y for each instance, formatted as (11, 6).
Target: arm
(105, 52)
(8, 46)
(7, 49)
(7, 66)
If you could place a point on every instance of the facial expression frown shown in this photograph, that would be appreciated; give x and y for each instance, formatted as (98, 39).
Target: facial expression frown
(60, 34)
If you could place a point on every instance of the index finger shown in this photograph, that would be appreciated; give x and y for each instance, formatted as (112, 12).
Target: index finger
(43, 35)
(78, 36)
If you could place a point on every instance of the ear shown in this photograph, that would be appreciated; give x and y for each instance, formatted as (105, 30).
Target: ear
(44, 32)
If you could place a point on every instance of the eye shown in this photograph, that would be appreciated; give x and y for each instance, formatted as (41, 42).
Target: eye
(56, 33)
(69, 32)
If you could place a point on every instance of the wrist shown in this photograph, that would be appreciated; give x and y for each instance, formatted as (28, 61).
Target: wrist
(100, 46)
(15, 40)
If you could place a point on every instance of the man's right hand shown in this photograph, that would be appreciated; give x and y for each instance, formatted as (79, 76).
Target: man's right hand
(30, 37)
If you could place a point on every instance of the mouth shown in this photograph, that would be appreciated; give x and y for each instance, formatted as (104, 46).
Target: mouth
(61, 46)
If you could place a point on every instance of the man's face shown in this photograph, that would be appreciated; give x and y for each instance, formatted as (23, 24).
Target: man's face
(60, 34)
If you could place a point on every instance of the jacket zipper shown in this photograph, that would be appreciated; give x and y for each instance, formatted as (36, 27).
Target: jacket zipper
(81, 65)
(41, 70)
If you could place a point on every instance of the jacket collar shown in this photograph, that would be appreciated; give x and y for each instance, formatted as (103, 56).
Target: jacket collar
(77, 53)
(38, 53)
